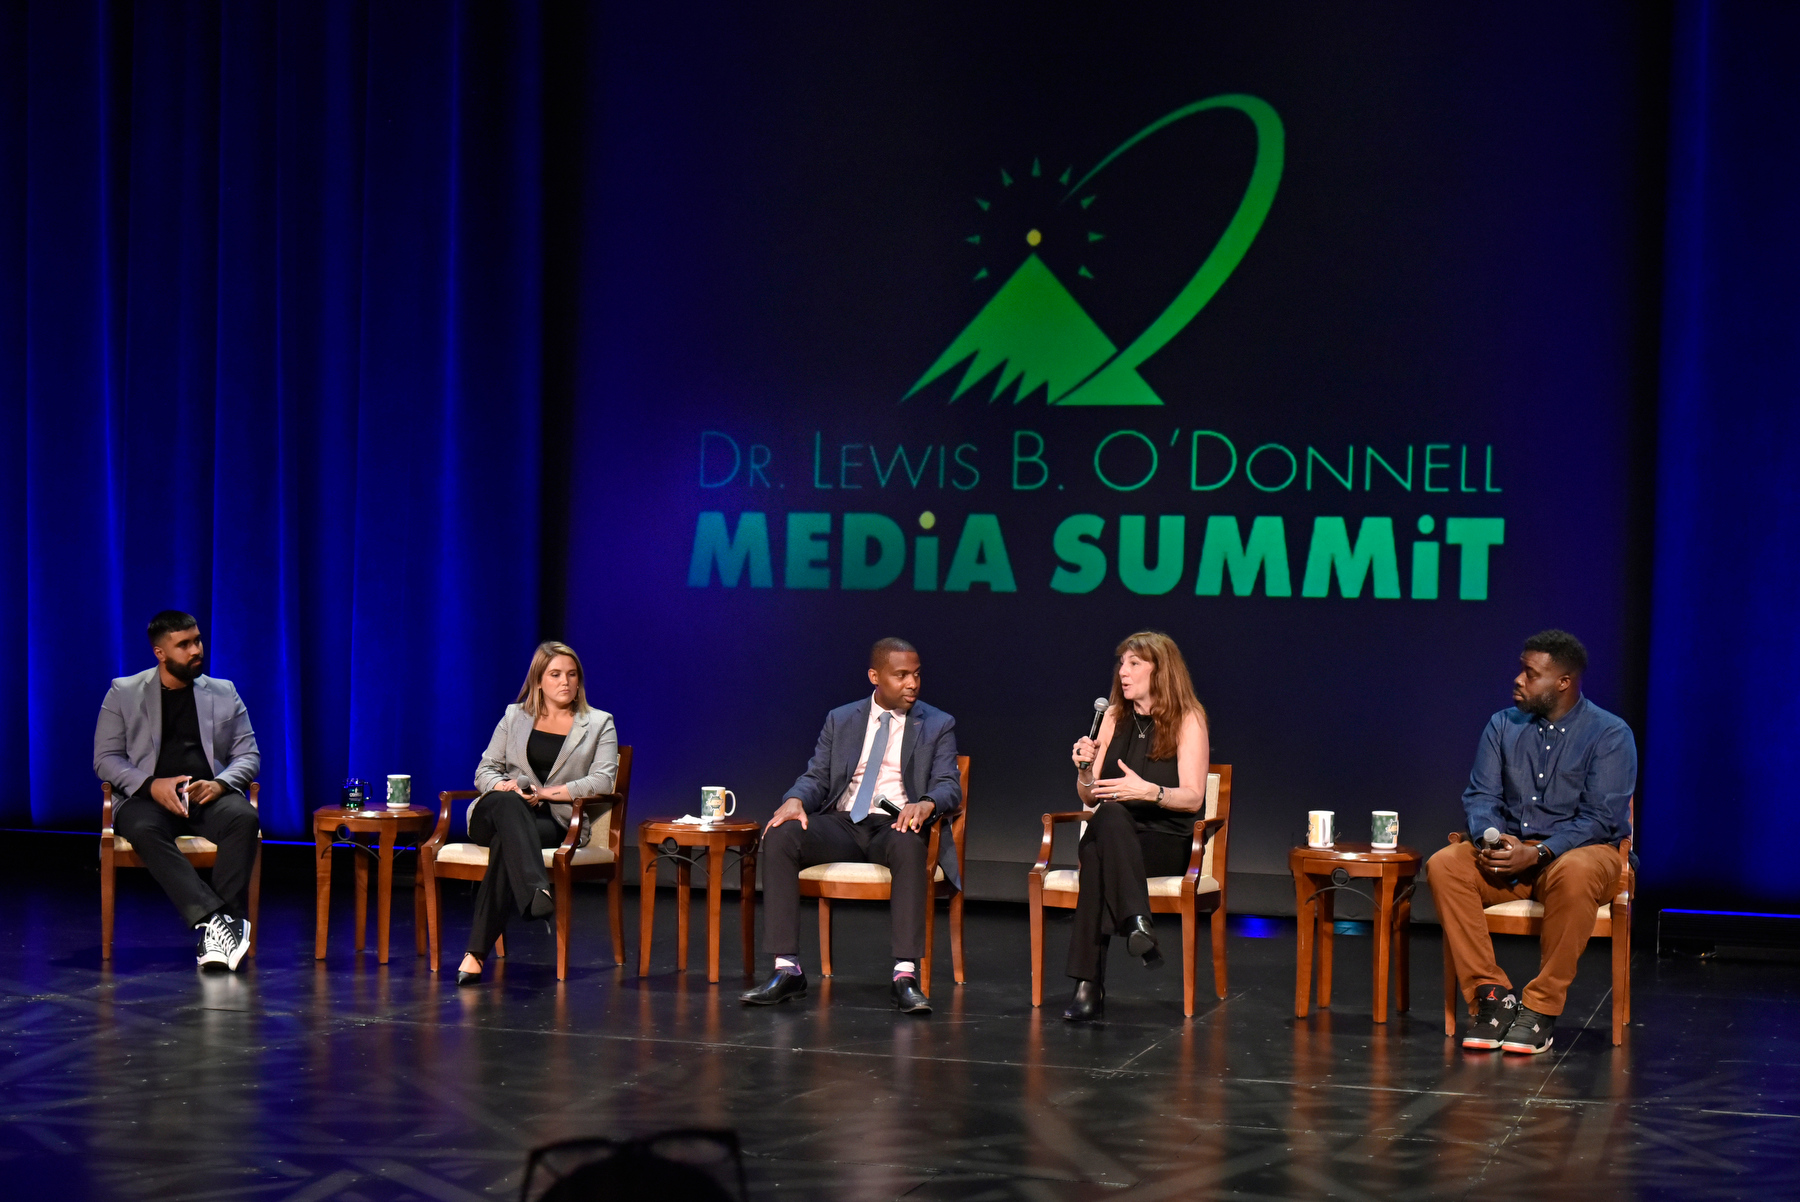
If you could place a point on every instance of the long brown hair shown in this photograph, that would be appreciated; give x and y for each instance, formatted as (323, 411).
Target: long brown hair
(1171, 690)
(531, 693)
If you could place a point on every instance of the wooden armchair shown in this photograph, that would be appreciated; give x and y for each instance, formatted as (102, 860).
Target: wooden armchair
(1526, 917)
(600, 860)
(1201, 890)
(116, 852)
(873, 882)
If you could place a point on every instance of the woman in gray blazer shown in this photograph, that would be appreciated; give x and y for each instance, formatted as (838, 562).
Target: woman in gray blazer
(550, 749)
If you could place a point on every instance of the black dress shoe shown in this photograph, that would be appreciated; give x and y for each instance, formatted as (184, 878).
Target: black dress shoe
(1140, 940)
(543, 905)
(778, 988)
(1088, 1004)
(908, 997)
(468, 978)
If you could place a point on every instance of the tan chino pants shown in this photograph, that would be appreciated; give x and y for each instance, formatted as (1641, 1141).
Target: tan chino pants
(1571, 888)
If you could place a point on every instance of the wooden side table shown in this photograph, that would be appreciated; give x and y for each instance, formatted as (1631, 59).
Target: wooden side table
(689, 844)
(384, 824)
(1316, 874)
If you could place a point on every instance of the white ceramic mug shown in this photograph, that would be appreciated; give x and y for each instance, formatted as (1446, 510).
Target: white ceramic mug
(1384, 829)
(713, 803)
(1320, 830)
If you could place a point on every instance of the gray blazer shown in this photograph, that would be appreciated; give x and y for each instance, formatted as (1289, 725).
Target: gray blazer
(128, 736)
(588, 762)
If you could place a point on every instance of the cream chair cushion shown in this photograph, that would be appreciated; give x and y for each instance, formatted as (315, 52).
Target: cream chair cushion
(850, 873)
(187, 845)
(473, 853)
(1524, 907)
(1067, 880)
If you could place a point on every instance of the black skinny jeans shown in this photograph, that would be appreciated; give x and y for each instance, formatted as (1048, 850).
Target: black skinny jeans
(515, 834)
(1117, 859)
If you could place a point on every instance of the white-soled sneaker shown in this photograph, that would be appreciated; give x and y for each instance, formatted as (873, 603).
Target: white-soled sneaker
(1531, 1033)
(208, 953)
(227, 940)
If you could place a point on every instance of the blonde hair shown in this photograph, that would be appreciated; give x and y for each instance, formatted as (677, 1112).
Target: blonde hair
(531, 693)
(1172, 696)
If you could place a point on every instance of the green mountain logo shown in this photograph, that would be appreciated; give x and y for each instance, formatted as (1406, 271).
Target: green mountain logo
(1036, 333)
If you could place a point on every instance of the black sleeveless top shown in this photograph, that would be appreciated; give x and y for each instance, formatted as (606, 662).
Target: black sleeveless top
(1133, 736)
(541, 750)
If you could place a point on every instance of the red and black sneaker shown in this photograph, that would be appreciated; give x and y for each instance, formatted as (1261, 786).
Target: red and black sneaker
(1494, 1009)
(1531, 1032)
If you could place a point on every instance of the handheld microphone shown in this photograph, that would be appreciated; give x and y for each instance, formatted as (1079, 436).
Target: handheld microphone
(1100, 707)
(1490, 838)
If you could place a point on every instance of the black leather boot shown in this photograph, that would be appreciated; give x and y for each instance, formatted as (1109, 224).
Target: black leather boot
(1140, 940)
(1088, 1004)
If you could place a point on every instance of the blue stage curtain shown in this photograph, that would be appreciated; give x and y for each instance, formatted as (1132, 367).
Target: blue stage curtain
(1723, 747)
(271, 279)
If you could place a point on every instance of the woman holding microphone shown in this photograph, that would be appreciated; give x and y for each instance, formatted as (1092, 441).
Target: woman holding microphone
(1144, 779)
(550, 750)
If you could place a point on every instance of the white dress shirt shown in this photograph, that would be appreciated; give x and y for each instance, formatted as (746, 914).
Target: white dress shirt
(888, 782)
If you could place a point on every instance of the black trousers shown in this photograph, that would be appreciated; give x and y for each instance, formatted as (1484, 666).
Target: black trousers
(515, 834)
(1117, 858)
(229, 821)
(832, 838)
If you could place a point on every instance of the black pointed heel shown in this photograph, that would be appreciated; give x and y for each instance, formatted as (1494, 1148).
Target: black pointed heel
(542, 905)
(1140, 941)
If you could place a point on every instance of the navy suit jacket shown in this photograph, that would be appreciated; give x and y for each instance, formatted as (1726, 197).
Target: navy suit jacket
(927, 765)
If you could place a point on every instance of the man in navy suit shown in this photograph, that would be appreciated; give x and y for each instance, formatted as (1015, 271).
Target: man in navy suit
(884, 769)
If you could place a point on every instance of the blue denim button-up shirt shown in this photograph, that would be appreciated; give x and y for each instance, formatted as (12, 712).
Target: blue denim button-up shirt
(1568, 783)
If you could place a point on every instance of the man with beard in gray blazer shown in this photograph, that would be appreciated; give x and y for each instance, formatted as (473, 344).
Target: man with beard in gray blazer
(883, 770)
(177, 748)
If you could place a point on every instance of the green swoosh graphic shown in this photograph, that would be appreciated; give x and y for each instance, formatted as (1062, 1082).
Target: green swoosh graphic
(1116, 382)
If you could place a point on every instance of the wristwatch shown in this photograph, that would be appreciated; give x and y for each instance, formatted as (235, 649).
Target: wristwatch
(1545, 855)
(1159, 795)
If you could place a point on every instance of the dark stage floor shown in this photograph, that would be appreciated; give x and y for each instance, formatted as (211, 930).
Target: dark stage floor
(295, 1082)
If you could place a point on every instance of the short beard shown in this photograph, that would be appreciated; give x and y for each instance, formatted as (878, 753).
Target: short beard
(185, 673)
(1537, 707)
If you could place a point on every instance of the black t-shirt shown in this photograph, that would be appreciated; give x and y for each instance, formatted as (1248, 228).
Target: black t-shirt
(541, 751)
(182, 753)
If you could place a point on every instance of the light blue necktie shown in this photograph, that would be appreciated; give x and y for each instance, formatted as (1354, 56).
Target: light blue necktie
(865, 793)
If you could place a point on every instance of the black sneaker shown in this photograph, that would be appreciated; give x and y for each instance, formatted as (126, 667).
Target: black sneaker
(227, 941)
(1531, 1032)
(1493, 1019)
(206, 955)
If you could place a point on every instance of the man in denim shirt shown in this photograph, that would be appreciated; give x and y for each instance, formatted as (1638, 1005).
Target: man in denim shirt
(1554, 776)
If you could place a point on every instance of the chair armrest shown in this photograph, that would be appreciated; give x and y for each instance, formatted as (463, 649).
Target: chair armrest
(1050, 820)
(931, 860)
(441, 831)
(106, 807)
(1197, 851)
(578, 810)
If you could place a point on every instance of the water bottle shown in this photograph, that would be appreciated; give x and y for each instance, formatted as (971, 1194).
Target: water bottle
(355, 793)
